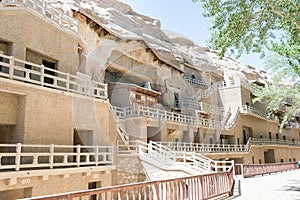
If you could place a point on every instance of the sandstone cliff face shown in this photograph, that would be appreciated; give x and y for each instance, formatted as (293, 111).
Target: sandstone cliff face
(120, 20)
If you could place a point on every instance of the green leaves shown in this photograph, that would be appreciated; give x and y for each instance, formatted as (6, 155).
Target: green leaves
(253, 26)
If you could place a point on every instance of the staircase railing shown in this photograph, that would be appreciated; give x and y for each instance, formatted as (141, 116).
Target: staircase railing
(231, 123)
(167, 157)
(120, 129)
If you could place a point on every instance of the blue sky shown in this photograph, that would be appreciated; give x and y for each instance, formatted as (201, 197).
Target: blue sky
(184, 17)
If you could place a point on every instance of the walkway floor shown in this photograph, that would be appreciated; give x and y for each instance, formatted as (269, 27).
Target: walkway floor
(280, 186)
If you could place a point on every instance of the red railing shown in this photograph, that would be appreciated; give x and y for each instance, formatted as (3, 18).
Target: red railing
(261, 169)
(195, 187)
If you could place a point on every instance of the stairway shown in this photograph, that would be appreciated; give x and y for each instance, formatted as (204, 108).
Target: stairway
(161, 162)
(119, 126)
(211, 89)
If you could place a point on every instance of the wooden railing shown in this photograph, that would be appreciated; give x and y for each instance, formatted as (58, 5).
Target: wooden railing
(199, 187)
(202, 106)
(140, 111)
(261, 169)
(23, 156)
(46, 11)
(20, 70)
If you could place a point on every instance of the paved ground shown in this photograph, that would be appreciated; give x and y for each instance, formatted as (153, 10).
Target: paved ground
(280, 186)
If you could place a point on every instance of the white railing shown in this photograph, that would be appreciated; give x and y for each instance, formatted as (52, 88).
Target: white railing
(206, 93)
(202, 106)
(292, 125)
(205, 148)
(20, 70)
(46, 11)
(226, 117)
(194, 81)
(221, 148)
(120, 129)
(168, 156)
(267, 141)
(251, 110)
(22, 156)
(141, 111)
(229, 124)
(222, 84)
(248, 86)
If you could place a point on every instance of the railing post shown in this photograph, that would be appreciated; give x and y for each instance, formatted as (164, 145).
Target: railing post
(42, 74)
(11, 67)
(97, 155)
(68, 82)
(61, 19)
(78, 155)
(51, 157)
(18, 156)
(44, 9)
(242, 170)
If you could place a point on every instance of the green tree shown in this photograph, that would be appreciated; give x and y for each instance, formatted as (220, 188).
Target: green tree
(260, 26)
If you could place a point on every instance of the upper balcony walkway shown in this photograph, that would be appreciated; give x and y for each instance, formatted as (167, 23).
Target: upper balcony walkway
(141, 111)
(203, 107)
(194, 81)
(20, 70)
(223, 84)
(45, 11)
(221, 148)
(255, 111)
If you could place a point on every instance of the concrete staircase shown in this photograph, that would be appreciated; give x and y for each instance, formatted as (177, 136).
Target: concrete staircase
(161, 162)
(119, 126)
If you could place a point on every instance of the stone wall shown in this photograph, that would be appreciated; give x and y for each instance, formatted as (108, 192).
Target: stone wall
(129, 170)
(27, 31)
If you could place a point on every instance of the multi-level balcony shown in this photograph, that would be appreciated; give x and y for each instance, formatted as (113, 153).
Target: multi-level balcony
(45, 11)
(20, 70)
(203, 107)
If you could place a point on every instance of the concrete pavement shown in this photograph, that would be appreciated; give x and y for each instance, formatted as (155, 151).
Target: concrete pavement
(279, 186)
